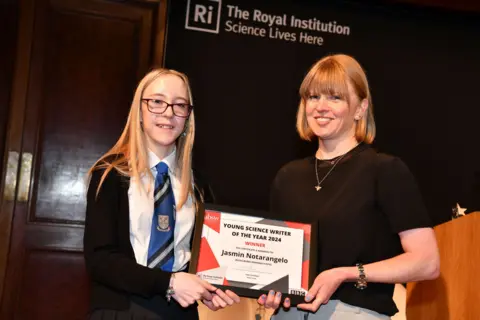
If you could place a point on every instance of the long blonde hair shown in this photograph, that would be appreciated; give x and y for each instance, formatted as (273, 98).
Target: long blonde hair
(129, 155)
(330, 76)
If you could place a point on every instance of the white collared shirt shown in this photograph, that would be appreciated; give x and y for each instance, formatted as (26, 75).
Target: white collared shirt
(141, 215)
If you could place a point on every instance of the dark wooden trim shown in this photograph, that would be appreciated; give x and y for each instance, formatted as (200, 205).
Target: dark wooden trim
(15, 130)
(161, 34)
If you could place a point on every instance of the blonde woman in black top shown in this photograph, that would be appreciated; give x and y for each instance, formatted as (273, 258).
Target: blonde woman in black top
(373, 228)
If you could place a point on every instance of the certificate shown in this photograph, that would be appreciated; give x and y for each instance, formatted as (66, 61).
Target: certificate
(241, 250)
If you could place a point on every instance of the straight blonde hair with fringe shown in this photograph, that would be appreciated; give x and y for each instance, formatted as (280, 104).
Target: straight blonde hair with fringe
(331, 75)
(129, 155)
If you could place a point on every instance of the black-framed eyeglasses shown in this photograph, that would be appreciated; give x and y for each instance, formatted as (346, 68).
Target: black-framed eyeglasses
(158, 106)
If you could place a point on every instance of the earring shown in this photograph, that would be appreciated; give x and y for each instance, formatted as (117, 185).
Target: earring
(357, 117)
(184, 133)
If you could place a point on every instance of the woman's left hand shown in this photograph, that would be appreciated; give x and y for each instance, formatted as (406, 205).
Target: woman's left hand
(221, 300)
(322, 289)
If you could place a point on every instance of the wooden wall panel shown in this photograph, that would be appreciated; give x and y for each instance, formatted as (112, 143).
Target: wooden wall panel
(50, 277)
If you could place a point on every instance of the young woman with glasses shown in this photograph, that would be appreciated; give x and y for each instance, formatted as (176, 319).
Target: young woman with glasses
(141, 207)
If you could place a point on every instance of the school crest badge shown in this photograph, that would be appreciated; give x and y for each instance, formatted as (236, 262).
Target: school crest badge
(163, 223)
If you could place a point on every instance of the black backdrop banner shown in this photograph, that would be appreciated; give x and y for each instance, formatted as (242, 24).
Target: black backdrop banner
(246, 60)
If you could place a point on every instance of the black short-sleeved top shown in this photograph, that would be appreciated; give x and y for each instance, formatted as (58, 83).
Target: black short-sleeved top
(364, 203)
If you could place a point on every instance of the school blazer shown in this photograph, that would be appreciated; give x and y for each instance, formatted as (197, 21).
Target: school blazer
(109, 258)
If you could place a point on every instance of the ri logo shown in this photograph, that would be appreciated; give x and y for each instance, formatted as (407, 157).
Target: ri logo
(203, 15)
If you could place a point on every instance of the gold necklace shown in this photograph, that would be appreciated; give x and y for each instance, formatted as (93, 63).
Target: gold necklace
(319, 182)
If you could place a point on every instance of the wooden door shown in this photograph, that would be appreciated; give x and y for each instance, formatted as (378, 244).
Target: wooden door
(78, 63)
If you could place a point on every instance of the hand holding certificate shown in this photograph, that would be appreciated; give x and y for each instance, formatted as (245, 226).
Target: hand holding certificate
(239, 249)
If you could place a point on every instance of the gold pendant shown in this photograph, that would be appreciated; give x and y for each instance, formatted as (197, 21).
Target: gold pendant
(318, 188)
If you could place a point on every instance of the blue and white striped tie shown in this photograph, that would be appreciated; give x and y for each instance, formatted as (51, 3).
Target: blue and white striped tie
(160, 249)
